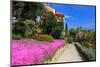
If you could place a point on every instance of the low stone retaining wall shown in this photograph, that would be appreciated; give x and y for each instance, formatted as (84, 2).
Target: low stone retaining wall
(57, 54)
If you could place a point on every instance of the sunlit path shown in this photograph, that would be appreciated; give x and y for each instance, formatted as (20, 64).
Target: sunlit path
(70, 54)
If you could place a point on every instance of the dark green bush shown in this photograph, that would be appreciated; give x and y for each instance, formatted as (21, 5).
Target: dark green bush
(87, 44)
(49, 23)
(89, 53)
(26, 10)
(43, 37)
(29, 28)
(51, 27)
(72, 32)
(86, 38)
(70, 39)
(16, 36)
(18, 27)
(57, 31)
(25, 28)
(62, 36)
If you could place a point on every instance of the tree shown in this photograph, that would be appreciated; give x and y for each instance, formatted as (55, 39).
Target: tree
(27, 10)
(50, 26)
(66, 27)
(49, 23)
(57, 31)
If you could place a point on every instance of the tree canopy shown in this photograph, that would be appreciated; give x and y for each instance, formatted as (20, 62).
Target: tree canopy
(27, 10)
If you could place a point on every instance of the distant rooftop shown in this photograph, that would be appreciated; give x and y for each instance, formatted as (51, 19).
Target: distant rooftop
(54, 11)
(50, 9)
(59, 14)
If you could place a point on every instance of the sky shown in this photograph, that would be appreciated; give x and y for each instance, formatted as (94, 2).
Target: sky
(77, 15)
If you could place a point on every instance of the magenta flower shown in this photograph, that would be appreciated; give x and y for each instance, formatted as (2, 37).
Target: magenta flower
(25, 52)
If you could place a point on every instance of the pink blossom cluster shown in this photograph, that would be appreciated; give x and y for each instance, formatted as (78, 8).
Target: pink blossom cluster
(26, 52)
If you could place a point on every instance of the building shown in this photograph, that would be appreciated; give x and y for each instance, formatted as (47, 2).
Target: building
(59, 16)
(49, 9)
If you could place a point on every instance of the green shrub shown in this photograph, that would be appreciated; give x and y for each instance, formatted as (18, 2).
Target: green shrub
(62, 36)
(87, 44)
(16, 36)
(89, 53)
(57, 30)
(51, 27)
(26, 28)
(30, 28)
(86, 38)
(28, 10)
(56, 34)
(69, 39)
(43, 37)
(18, 27)
(49, 23)
(28, 33)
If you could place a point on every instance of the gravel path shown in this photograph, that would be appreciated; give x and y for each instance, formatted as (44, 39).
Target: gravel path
(70, 54)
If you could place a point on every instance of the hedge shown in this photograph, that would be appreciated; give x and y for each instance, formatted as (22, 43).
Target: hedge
(88, 53)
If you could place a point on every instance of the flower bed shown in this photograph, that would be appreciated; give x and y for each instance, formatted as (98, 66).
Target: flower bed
(26, 52)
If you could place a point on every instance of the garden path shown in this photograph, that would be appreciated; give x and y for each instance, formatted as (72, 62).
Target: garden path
(70, 54)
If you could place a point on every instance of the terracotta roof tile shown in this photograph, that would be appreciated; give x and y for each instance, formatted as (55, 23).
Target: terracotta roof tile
(59, 14)
(56, 13)
(49, 9)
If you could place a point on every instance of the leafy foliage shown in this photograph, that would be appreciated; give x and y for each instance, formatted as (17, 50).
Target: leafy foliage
(43, 37)
(85, 37)
(27, 10)
(49, 23)
(51, 26)
(30, 28)
(25, 28)
(71, 34)
(66, 27)
(57, 31)
(16, 36)
(69, 37)
(89, 53)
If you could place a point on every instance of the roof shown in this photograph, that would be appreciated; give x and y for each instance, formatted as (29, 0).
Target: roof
(59, 14)
(50, 9)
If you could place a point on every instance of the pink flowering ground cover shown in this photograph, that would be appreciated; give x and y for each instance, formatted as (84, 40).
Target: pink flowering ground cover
(29, 51)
